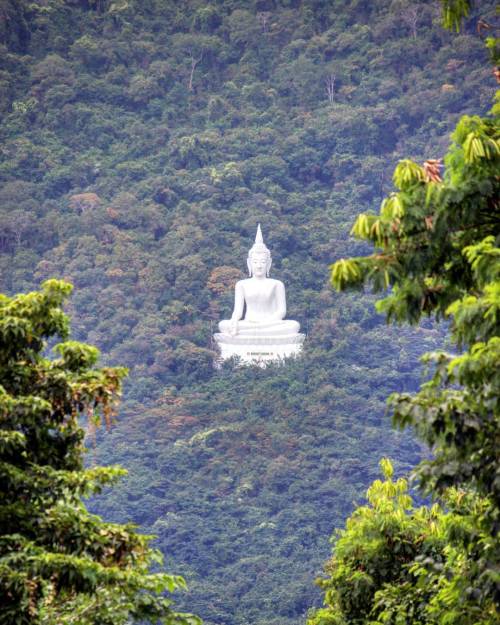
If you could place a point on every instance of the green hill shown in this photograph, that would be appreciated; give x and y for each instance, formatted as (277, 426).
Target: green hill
(141, 142)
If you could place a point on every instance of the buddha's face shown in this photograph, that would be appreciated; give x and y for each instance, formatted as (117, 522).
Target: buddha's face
(259, 265)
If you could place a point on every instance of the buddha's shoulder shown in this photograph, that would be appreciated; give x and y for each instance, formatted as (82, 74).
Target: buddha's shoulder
(275, 282)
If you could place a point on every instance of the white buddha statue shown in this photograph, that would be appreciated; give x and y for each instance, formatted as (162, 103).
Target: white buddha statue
(258, 329)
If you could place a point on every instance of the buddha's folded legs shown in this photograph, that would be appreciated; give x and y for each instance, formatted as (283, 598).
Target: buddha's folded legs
(266, 328)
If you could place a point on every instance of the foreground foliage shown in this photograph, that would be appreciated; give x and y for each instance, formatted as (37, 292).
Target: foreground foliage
(397, 563)
(372, 567)
(437, 246)
(58, 563)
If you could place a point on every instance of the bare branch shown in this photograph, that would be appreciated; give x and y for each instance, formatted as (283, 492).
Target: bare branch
(330, 87)
(263, 18)
(410, 16)
(194, 63)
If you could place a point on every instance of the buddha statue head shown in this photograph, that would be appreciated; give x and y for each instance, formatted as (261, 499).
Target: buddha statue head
(259, 257)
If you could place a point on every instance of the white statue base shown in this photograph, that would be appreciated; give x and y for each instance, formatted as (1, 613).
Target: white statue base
(259, 349)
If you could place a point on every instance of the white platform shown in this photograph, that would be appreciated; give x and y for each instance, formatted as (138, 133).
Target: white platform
(259, 350)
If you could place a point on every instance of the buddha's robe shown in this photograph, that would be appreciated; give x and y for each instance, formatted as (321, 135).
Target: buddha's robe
(264, 302)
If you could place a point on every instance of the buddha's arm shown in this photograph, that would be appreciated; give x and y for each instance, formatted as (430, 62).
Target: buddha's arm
(239, 303)
(280, 311)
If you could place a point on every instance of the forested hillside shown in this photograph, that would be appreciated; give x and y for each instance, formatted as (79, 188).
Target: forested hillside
(140, 143)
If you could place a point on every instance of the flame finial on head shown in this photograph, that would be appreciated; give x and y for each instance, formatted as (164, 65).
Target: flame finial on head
(259, 247)
(258, 236)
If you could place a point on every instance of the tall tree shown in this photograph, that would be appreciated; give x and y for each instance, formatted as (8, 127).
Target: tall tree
(58, 563)
(437, 249)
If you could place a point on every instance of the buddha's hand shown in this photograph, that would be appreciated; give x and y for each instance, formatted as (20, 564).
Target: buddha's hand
(233, 330)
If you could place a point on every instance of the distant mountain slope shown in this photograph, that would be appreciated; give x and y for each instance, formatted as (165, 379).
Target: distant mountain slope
(141, 142)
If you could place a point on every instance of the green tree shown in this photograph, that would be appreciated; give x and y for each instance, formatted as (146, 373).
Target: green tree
(58, 563)
(370, 567)
(436, 246)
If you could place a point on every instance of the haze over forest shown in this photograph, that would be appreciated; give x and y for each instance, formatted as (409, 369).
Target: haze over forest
(141, 143)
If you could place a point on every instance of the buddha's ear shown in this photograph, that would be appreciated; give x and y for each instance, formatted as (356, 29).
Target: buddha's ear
(249, 265)
(268, 266)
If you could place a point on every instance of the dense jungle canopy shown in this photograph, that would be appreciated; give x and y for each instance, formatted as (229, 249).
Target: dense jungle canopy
(140, 143)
